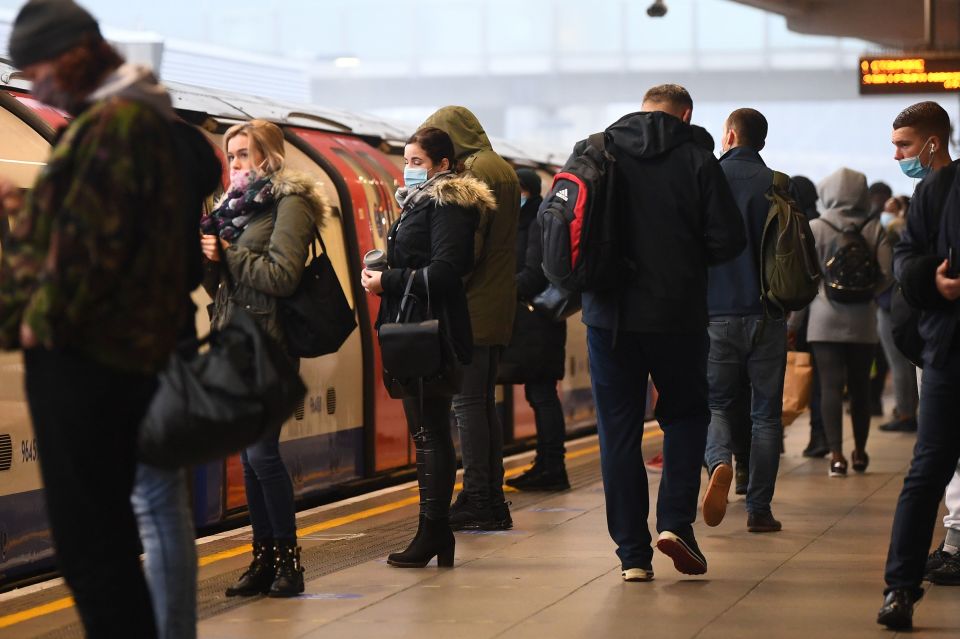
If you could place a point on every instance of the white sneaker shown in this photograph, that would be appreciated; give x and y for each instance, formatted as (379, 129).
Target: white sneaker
(637, 574)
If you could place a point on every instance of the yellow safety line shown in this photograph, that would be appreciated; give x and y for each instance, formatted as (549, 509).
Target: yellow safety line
(66, 602)
(37, 611)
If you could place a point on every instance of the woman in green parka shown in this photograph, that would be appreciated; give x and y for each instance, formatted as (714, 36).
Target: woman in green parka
(265, 224)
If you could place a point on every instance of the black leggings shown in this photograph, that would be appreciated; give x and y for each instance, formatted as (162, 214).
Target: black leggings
(840, 363)
(436, 459)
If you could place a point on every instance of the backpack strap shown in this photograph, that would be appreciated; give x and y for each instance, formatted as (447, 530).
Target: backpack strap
(781, 181)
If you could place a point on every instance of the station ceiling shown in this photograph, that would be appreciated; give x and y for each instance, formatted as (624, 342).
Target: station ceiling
(895, 24)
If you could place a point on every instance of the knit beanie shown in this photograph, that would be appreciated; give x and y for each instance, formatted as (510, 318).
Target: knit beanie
(529, 181)
(46, 28)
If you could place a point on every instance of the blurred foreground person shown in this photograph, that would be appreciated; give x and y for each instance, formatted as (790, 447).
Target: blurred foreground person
(264, 226)
(429, 252)
(92, 291)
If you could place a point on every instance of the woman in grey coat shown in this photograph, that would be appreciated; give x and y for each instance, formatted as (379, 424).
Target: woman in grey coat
(843, 334)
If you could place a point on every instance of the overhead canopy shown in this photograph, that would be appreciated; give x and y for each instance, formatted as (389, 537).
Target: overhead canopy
(892, 23)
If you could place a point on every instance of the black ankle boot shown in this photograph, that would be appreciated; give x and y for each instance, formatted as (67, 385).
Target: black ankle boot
(433, 539)
(258, 577)
(288, 579)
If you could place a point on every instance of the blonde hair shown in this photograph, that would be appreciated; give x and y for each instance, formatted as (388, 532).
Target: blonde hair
(266, 140)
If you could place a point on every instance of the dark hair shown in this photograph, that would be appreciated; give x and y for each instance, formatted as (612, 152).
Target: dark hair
(80, 70)
(751, 127)
(881, 189)
(673, 94)
(436, 144)
(928, 118)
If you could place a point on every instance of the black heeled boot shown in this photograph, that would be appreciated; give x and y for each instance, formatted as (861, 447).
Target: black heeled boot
(258, 577)
(433, 539)
(288, 579)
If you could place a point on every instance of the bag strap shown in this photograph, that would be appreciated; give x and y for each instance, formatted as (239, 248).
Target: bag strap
(781, 181)
(426, 282)
(406, 295)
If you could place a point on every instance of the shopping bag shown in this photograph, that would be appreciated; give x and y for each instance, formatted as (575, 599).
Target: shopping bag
(797, 386)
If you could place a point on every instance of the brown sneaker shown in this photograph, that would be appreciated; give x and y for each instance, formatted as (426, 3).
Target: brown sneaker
(715, 499)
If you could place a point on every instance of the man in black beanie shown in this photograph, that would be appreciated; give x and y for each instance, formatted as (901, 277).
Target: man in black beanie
(93, 289)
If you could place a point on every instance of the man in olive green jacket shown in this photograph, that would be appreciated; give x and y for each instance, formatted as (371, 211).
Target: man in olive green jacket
(491, 296)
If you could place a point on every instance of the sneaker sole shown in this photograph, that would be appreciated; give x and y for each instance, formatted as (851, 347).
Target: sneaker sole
(683, 558)
(715, 499)
(636, 575)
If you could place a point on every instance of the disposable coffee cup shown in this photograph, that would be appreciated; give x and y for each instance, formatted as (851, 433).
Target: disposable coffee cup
(375, 260)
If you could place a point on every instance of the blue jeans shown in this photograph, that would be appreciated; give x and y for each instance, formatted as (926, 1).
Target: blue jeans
(162, 508)
(678, 366)
(738, 345)
(935, 458)
(269, 491)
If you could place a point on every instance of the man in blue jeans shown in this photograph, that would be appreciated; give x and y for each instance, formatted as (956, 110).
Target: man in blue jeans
(682, 218)
(743, 340)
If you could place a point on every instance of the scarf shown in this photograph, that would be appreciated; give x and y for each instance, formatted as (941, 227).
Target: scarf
(246, 199)
(409, 198)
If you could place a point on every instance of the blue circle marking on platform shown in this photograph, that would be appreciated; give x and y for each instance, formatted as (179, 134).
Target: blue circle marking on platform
(329, 595)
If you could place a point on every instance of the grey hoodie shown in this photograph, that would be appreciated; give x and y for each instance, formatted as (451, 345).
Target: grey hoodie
(844, 200)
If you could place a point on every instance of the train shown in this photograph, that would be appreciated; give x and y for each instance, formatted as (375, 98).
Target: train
(347, 431)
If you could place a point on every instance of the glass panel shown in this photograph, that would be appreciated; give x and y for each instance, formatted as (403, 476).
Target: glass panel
(518, 27)
(674, 32)
(726, 26)
(593, 31)
(377, 210)
(390, 185)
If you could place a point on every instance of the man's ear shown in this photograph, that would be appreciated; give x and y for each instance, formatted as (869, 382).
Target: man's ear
(687, 115)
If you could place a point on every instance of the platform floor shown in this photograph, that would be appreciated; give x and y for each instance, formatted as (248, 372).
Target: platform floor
(555, 574)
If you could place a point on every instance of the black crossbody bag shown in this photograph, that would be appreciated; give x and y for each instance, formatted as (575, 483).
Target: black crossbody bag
(418, 356)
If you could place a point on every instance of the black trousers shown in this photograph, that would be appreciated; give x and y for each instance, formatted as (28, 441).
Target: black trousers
(85, 417)
(840, 363)
(429, 425)
(935, 457)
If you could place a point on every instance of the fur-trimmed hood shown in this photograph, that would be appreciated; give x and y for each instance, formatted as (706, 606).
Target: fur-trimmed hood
(289, 182)
(461, 190)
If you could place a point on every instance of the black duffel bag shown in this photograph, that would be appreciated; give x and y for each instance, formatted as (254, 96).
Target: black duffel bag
(317, 319)
(214, 403)
(418, 356)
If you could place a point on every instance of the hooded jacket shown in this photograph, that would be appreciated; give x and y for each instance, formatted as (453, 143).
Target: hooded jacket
(269, 258)
(97, 260)
(436, 232)
(681, 218)
(844, 200)
(921, 250)
(491, 292)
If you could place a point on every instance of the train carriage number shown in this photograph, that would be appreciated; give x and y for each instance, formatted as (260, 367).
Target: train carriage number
(29, 450)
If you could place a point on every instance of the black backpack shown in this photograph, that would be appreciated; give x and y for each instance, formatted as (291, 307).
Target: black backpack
(851, 272)
(581, 250)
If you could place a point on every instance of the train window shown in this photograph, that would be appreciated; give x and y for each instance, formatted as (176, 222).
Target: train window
(23, 152)
(379, 212)
(390, 184)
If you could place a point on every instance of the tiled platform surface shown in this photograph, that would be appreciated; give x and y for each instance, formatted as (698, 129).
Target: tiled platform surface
(555, 575)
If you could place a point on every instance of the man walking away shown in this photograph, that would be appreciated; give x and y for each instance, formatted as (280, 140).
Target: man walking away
(681, 219)
(745, 337)
(492, 297)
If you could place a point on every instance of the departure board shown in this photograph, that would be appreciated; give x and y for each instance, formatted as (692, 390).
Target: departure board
(910, 73)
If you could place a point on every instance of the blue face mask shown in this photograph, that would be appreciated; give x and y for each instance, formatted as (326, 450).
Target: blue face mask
(413, 176)
(913, 167)
(886, 218)
(523, 201)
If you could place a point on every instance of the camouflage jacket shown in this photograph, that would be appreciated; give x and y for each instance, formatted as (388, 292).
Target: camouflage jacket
(95, 262)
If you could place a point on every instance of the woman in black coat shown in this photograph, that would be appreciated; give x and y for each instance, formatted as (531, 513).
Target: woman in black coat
(536, 355)
(441, 212)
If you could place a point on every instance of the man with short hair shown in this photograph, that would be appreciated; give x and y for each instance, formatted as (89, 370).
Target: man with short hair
(921, 135)
(682, 219)
(746, 337)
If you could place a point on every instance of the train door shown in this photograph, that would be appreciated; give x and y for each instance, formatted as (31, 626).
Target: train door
(323, 444)
(369, 182)
(25, 543)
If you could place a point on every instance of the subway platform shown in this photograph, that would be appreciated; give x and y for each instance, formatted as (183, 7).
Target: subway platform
(555, 574)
